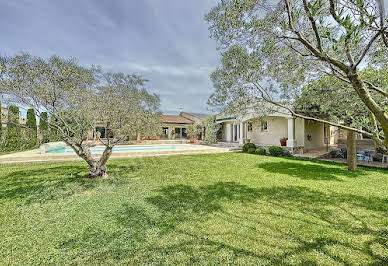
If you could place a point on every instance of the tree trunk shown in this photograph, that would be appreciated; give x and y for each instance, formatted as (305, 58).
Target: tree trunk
(351, 151)
(99, 169)
(378, 111)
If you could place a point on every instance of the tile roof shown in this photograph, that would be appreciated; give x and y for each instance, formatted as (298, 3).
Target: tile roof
(199, 115)
(175, 119)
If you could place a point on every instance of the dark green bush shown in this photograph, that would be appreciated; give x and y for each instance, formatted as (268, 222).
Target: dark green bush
(248, 145)
(252, 150)
(275, 151)
(261, 151)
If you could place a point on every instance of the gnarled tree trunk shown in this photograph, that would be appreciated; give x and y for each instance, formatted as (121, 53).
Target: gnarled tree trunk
(351, 151)
(98, 168)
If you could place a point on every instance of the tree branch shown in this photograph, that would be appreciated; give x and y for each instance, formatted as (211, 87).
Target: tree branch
(365, 133)
(368, 47)
(377, 89)
(313, 25)
(309, 46)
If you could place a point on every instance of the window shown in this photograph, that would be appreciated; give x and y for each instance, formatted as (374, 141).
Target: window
(264, 126)
(249, 126)
(184, 132)
(165, 132)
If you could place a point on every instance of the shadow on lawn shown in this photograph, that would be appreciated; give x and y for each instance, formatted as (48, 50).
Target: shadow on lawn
(300, 206)
(182, 203)
(310, 170)
(41, 183)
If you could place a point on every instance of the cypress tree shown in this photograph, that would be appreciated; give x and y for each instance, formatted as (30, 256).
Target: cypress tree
(13, 117)
(43, 127)
(32, 128)
(1, 120)
(14, 140)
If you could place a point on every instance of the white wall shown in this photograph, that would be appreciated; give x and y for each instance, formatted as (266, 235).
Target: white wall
(299, 132)
(314, 129)
(277, 129)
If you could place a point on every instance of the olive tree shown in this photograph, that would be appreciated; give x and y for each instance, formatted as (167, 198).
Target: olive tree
(287, 44)
(211, 129)
(77, 98)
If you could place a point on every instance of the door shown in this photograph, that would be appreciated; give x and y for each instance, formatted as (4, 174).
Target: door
(228, 132)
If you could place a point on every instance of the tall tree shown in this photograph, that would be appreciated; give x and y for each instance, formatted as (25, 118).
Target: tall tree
(80, 97)
(31, 128)
(14, 139)
(43, 127)
(211, 129)
(1, 118)
(295, 41)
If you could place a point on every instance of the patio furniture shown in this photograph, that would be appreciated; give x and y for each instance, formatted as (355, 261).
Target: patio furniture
(364, 156)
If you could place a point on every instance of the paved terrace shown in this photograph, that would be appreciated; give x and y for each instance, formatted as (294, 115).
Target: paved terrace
(34, 156)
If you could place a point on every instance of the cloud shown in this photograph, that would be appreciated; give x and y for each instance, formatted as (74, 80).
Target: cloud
(165, 41)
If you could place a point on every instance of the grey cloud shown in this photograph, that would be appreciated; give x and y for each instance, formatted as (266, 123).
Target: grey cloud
(165, 41)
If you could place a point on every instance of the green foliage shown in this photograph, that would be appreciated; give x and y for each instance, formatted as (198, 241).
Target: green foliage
(80, 97)
(1, 119)
(275, 151)
(31, 131)
(261, 151)
(13, 117)
(252, 150)
(31, 119)
(332, 99)
(269, 53)
(43, 127)
(13, 139)
(248, 145)
(211, 129)
(193, 130)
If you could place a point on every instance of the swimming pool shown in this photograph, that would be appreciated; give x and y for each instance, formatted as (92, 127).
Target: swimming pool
(64, 149)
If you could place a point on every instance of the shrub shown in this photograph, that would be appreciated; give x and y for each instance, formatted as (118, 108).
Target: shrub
(211, 129)
(261, 151)
(252, 150)
(286, 153)
(275, 151)
(248, 145)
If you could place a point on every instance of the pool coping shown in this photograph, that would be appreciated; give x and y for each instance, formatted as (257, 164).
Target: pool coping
(35, 156)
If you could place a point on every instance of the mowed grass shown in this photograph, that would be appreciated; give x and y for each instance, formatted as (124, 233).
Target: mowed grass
(195, 209)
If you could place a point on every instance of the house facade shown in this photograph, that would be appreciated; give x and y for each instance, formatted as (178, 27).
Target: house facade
(175, 126)
(268, 130)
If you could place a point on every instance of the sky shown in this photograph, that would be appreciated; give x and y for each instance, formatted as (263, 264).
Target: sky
(165, 41)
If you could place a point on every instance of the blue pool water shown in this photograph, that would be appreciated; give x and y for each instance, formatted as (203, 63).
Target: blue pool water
(63, 149)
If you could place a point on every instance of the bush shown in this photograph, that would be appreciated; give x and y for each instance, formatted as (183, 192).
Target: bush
(247, 146)
(275, 151)
(261, 151)
(286, 153)
(252, 150)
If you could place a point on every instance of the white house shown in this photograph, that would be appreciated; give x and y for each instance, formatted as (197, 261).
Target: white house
(268, 130)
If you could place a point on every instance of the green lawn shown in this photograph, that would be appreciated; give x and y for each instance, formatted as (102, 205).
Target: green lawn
(200, 209)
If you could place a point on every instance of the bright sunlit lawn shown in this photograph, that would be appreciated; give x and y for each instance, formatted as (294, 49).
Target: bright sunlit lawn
(201, 209)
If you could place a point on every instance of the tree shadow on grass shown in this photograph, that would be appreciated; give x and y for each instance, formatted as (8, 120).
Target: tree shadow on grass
(137, 236)
(310, 170)
(181, 203)
(40, 183)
